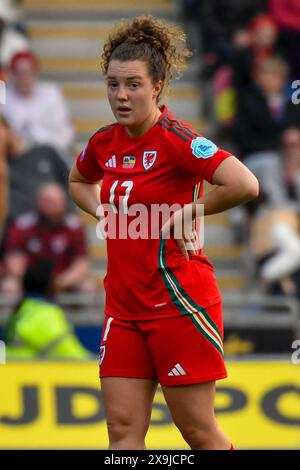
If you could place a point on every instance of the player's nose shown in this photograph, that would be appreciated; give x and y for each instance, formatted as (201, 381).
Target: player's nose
(121, 93)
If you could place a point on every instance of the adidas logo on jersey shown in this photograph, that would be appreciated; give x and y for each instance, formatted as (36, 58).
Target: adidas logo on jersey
(111, 163)
(177, 370)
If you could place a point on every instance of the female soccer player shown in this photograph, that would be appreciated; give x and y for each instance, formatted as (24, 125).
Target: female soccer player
(163, 308)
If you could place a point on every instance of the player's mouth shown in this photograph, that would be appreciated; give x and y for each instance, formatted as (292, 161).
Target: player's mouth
(123, 110)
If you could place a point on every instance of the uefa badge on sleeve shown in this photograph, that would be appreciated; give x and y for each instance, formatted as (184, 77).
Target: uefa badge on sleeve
(149, 157)
(203, 148)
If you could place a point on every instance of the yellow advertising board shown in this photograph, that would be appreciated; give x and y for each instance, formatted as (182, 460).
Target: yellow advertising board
(58, 405)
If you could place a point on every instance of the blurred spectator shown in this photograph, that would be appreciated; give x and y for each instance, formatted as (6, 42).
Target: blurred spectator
(11, 41)
(249, 45)
(264, 111)
(219, 20)
(275, 243)
(28, 170)
(286, 14)
(38, 329)
(3, 181)
(291, 152)
(11, 286)
(36, 110)
(49, 232)
(210, 26)
(257, 42)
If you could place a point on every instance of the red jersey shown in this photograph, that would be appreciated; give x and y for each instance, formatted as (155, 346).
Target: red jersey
(62, 244)
(148, 277)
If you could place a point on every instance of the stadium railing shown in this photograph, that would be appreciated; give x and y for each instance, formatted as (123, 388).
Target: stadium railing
(241, 310)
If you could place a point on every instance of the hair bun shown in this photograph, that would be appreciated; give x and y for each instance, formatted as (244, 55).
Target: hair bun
(139, 36)
(160, 44)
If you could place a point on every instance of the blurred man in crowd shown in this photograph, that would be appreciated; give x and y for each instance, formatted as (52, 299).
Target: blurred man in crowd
(38, 329)
(256, 42)
(28, 170)
(52, 233)
(265, 110)
(36, 110)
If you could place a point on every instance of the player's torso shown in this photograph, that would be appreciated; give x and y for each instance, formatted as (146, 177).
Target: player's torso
(141, 171)
(143, 174)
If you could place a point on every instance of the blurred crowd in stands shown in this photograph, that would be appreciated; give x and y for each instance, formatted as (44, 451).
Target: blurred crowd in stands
(43, 248)
(249, 69)
(36, 145)
(248, 62)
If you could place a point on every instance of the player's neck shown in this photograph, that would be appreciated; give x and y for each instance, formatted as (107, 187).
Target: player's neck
(149, 122)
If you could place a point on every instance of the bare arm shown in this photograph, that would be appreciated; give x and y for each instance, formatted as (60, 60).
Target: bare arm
(15, 263)
(73, 275)
(235, 185)
(84, 193)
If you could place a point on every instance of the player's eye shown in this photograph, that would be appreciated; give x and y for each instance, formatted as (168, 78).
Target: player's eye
(112, 85)
(134, 85)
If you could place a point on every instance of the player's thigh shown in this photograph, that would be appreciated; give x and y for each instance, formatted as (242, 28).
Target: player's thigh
(124, 351)
(192, 406)
(187, 349)
(128, 402)
(128, 377)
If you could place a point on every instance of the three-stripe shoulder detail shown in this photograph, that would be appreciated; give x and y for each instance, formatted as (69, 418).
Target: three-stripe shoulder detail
(178, 128)
(103, 129)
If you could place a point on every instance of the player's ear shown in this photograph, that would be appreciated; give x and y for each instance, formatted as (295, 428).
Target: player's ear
(157, 89)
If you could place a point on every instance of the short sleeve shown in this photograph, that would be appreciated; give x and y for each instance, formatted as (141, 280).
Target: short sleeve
(201, 157)
(87, 164)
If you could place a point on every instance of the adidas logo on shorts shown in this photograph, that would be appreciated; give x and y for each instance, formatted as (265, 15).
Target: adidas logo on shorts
(177, 370)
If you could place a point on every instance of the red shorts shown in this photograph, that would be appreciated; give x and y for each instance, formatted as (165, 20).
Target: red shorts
(179, 350)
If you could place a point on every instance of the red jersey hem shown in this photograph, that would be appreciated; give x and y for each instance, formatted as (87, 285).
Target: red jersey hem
(158, 315)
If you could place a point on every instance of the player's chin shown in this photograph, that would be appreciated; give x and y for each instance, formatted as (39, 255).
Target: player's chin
(122, 115)
(125, 120)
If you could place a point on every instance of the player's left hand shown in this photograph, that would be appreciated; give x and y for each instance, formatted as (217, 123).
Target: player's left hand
(181, 226)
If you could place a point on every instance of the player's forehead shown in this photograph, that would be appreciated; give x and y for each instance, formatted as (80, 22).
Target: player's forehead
(126, 70)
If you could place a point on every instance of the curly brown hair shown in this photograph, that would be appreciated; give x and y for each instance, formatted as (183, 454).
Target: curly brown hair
(161, 45)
